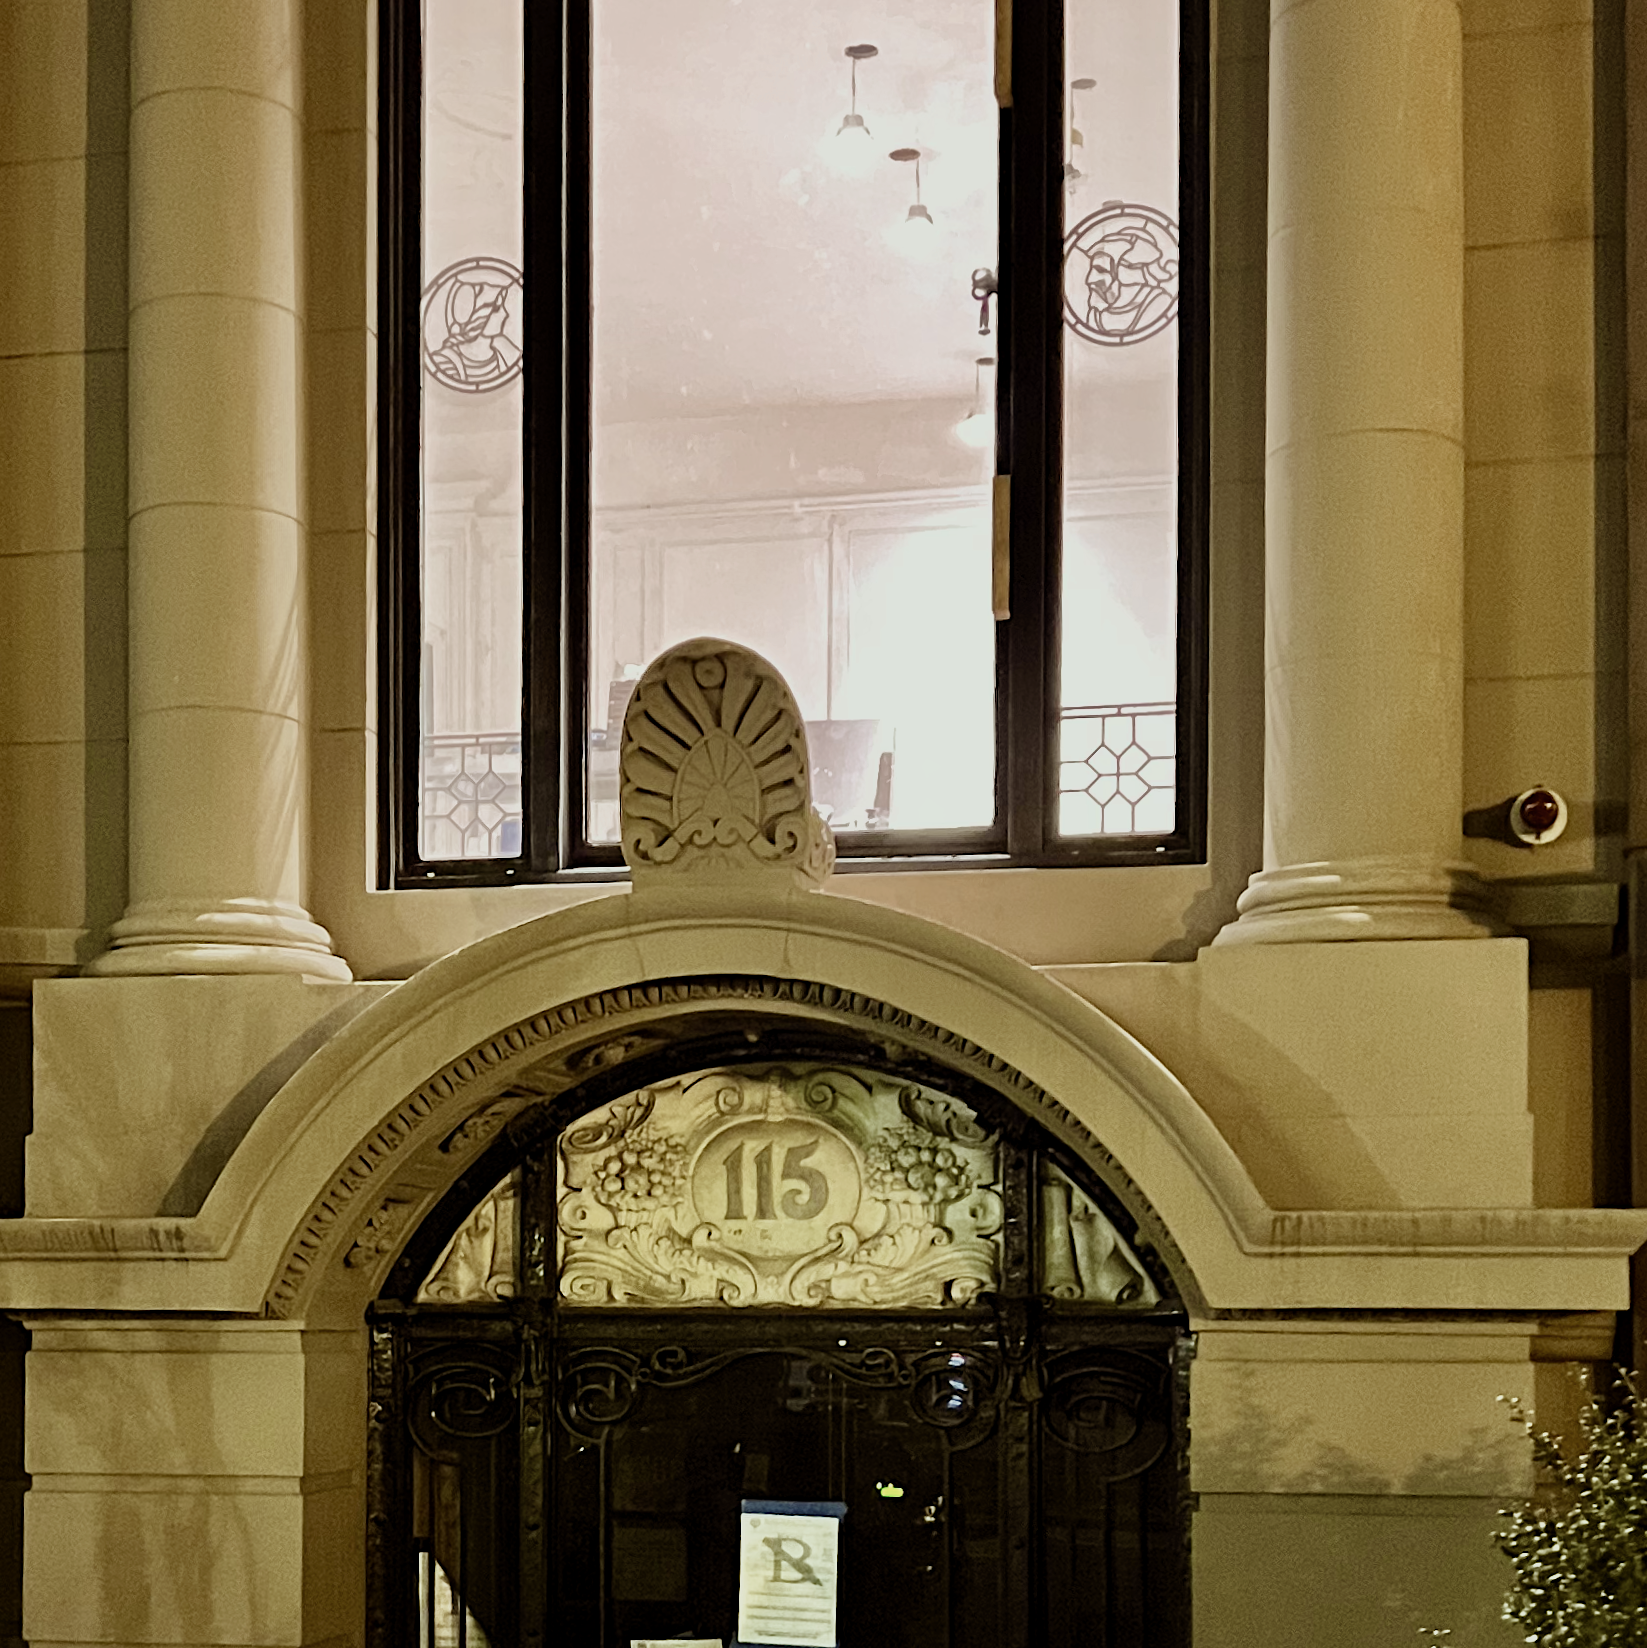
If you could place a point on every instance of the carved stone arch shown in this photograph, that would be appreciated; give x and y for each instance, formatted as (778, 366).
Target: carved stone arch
(546, 1071)
(545, 1419)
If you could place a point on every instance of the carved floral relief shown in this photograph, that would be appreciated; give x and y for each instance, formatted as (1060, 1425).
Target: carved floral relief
(782, 1186)
(793, 1186)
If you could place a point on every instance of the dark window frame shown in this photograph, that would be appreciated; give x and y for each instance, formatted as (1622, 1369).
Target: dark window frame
(556, 528)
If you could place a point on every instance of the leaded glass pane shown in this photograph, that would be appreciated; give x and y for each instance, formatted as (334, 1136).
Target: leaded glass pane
(471, 478)
(1119, 634)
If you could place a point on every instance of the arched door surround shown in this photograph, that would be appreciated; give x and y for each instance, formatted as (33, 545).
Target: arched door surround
(316, 1196)
(817, 1269)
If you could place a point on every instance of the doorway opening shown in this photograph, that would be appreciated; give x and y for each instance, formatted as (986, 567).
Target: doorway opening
(805, 1276)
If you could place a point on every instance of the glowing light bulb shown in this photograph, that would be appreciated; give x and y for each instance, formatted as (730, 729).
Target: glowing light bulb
(849, 150)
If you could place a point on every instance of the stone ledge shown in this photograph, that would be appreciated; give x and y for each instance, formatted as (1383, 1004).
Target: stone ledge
(1505, 1259)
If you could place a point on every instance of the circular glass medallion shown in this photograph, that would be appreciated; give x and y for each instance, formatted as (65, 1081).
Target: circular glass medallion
(471, 325)
(1121, 274)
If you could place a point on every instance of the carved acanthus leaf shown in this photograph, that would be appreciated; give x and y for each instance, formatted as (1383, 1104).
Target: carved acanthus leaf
(715, 773)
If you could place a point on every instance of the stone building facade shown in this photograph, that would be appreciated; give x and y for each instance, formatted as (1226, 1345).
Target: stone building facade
(1373, 1075)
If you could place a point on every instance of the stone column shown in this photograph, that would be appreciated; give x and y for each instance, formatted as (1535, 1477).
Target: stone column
(216, 528)
(1364, 473)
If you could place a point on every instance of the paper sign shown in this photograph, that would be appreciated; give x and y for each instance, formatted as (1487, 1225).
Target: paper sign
(788, 1573)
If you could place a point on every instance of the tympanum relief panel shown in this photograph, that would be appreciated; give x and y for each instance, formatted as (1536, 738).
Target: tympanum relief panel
(782, 1186)
(790, 1185)
(478, 1265)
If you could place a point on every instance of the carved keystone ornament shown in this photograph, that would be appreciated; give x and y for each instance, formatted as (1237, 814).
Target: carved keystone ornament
(715, 775)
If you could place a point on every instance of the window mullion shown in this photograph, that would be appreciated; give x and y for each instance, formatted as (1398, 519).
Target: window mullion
(1031, 344)
(1194, 424)
(557, 418)
(400, 396)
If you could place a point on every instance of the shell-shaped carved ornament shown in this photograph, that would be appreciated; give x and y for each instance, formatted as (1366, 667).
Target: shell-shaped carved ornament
(715, 773)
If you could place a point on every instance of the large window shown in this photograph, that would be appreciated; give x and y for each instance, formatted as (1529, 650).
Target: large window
(873, 338)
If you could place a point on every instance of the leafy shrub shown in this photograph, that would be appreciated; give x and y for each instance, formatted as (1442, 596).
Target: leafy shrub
(1579, 1548)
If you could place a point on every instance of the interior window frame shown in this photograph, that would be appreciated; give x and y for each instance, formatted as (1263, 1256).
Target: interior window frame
(1028, 327)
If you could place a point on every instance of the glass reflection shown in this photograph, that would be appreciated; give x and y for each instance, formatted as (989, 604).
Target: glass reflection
(786, 222)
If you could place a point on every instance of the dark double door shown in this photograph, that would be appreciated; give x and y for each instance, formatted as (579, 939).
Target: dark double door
(1012, 1475)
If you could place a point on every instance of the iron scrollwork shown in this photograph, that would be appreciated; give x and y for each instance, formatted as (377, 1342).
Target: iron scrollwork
(461, 1399)
(602, 1387)
(1112, 1406)
(599, 1387)
(956, 1390)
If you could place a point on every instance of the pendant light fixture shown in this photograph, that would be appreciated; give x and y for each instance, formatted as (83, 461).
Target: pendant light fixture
(915, 235)
(977, 428)
(1073, 175)
(851, 150)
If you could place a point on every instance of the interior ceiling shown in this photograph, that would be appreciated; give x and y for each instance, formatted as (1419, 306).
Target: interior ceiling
(735, 267)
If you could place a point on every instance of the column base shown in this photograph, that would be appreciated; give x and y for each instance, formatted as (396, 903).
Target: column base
(238, 935)
(1363, 898)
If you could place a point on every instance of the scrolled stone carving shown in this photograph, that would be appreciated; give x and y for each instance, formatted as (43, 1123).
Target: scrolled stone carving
(613, 1122)
(470, 1135)
(715, 773)
(381, 1232)
(942, 1115)
(1083, 1256)
(545, 1042)
(779, 1186)
(478, 1265)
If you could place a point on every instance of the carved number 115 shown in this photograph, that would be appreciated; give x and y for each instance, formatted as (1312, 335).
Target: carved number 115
(793, 1204)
